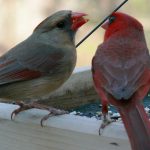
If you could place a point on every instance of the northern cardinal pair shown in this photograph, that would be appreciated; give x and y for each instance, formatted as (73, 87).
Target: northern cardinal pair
(120, 67)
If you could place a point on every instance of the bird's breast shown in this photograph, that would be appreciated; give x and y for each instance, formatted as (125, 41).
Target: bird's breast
(38, 87)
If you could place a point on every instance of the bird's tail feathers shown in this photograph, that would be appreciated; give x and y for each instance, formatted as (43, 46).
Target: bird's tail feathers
(137, 124)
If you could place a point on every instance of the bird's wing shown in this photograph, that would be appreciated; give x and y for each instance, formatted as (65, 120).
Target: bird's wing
(120, 69)
(22, 64)
(12, 71)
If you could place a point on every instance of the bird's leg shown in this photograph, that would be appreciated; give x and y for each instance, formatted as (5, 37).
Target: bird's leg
(105, 117)
(104, 101)
(52, 111)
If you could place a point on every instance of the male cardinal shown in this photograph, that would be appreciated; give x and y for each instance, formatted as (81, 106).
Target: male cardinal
(121, 74)
(43, 62)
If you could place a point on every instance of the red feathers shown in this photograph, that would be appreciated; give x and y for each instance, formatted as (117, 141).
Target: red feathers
(25, 74)
(123, 22)
(121, 73)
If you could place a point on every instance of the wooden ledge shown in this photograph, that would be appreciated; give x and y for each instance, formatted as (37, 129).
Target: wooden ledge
(67, 132)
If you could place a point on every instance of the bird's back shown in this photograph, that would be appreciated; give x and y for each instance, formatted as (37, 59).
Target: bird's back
(121, 63)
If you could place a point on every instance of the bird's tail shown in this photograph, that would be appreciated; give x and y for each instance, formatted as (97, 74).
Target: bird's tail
(137, 125)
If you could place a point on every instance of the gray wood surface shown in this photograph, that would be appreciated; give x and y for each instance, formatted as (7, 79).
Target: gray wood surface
(21, 136)
(65, 132)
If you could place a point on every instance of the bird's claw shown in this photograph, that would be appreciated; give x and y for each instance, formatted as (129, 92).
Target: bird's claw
(105, 122)
(53, 112)
(103, 125)
(22, 107)
(14, 113)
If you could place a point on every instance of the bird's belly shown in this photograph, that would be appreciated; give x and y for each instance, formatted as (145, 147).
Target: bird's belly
(31, 89)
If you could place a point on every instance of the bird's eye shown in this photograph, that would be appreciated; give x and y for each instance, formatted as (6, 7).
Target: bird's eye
(61, 25)
(112, 19)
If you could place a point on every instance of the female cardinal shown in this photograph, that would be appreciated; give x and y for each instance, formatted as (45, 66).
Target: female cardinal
(43, 62)
(121, 74)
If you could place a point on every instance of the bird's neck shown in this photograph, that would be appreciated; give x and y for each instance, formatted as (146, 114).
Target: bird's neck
(130, 33)
(137, 125)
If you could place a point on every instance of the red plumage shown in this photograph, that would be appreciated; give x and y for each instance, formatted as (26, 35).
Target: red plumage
(121, 74)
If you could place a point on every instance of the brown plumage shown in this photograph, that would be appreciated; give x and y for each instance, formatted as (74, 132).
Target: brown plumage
(44, 61)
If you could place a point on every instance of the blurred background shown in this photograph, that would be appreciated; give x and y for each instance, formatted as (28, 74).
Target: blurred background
(18, 18)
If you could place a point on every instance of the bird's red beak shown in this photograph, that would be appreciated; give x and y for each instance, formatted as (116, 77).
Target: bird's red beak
(105, 25)
(78, 20)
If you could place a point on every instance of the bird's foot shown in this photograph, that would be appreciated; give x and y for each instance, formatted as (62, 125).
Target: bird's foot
(22, 107)
(52, 111)
(105, 122)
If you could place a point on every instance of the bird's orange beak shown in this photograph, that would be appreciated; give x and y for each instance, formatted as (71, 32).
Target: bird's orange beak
(78, 20)
(105, 25)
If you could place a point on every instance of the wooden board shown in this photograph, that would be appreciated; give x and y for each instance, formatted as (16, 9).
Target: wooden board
(25, 133)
